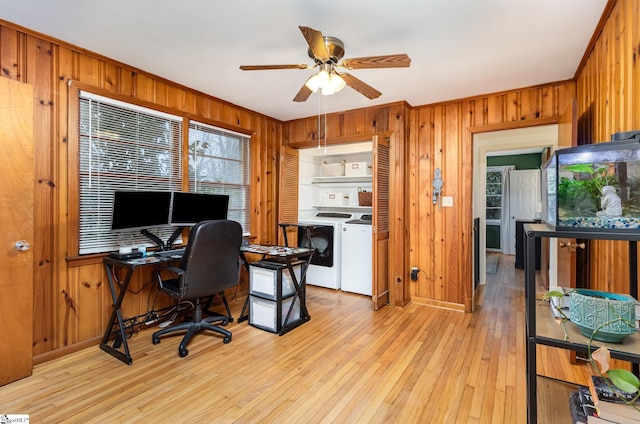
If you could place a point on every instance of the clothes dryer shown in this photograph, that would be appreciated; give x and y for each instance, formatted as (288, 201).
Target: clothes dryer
(325, 236)
(356, 275)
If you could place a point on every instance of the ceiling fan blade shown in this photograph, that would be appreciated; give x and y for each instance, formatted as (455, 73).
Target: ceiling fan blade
(303, 94)
(390, 61)
(316, 43)
(267, 67)
(360, 86)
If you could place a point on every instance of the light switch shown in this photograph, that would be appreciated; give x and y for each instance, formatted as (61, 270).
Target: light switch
(447, 201)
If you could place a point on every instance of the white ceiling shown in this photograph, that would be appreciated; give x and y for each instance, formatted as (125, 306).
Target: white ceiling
(458, 48)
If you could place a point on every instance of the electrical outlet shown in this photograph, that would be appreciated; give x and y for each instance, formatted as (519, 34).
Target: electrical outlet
(414, 273)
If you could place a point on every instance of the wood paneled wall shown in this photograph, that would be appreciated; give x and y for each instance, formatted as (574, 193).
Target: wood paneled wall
(441, 238)
(608, 92)
(72, 302)
(437, 240)
(361, 125)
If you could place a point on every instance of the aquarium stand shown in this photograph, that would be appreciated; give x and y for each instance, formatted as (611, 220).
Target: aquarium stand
(541, 327)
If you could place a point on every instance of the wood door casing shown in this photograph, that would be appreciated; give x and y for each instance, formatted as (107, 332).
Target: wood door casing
(567, 137)
(16, 214)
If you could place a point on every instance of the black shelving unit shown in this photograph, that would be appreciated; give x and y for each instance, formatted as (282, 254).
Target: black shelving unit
(519, 263)
(540, 323)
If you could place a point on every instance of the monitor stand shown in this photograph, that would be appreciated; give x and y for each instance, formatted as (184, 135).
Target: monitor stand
(161, 245)
(174, 236)
(148, 234)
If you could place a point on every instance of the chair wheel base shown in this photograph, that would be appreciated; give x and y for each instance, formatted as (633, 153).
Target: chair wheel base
(226, 339)
(155, 340)
(183, 352)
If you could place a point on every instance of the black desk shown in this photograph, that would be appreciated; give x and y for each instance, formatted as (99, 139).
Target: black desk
(116, 324)
(288, 254)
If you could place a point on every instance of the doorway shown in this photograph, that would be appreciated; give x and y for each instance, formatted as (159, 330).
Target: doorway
(511, 142)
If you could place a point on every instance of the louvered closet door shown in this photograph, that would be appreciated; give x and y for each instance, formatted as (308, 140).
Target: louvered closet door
(380, 292)
(288, 195)
(16, 215)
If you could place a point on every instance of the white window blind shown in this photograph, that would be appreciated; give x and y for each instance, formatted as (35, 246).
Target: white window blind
(219, 164)
(122, 147)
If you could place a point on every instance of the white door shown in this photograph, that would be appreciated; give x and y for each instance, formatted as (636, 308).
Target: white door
(524, 197)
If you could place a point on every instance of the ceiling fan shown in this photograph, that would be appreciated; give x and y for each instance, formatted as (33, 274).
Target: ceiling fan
(327, 52)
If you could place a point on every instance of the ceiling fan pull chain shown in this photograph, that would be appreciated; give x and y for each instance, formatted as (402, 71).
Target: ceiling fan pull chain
(325, 124)
(318, 136)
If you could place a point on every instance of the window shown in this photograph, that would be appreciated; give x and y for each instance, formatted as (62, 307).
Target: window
(219, 164)
(122, 147)
(494, 195)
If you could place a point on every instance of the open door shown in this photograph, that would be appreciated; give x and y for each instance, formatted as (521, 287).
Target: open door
(16, 214)
(288, 195)
(380, 230)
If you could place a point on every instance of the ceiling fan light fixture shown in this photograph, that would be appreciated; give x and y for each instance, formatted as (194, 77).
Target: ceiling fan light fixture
(336, 82)
(326, 80)
(327, 54)
(313, 83)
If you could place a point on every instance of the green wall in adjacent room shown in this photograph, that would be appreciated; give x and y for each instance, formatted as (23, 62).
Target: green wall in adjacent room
(493, 236)
(526, 161)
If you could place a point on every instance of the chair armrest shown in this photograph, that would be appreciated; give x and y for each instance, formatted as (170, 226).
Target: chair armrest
(173, 269)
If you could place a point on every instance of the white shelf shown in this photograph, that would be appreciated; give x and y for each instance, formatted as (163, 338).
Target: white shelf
(362, 179)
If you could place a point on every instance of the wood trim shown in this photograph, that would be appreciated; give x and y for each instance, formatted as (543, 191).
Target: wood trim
(155, 106)
(66, 350)
(594, 38)
(439, 304)
(513, 125)
(73, 172)
(355, 138)
(497, 93)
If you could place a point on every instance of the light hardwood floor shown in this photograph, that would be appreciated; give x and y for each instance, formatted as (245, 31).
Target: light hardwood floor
(348, 364)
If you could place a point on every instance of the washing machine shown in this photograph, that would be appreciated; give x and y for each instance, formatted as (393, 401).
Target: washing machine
(323, 232)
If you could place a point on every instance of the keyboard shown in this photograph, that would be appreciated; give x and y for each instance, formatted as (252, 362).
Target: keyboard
(125, 256)
(173, 253)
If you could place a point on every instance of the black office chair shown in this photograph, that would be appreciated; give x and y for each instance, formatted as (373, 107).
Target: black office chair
(209, 266)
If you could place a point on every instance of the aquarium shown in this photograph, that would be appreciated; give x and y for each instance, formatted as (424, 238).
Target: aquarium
(594, 187)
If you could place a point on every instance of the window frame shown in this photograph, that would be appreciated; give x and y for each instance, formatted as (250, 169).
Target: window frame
(68, 216)
(174, 180)
(224, 187)
(493, 221)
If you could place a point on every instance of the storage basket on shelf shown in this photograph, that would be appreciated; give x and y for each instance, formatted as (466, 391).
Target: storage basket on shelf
(333, 169)
(364, 197)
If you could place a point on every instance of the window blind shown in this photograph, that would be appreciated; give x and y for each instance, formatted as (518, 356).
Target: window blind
(219, 164)
(122, 147)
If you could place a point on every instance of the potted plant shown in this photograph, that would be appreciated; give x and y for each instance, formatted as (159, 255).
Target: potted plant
(605, 317)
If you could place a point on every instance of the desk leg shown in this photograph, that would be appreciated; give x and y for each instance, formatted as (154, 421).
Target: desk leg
(244, 315)
(116, 319)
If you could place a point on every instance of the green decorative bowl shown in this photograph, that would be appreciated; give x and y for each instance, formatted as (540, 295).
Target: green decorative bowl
(590, 309)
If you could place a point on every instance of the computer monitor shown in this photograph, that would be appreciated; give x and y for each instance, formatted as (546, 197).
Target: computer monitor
(190, 208)
(140, 210)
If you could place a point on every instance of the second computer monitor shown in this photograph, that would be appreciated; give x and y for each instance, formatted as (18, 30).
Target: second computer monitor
(190, 208)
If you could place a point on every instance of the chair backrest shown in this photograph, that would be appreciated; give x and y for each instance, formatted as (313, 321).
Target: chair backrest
(211, 258)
